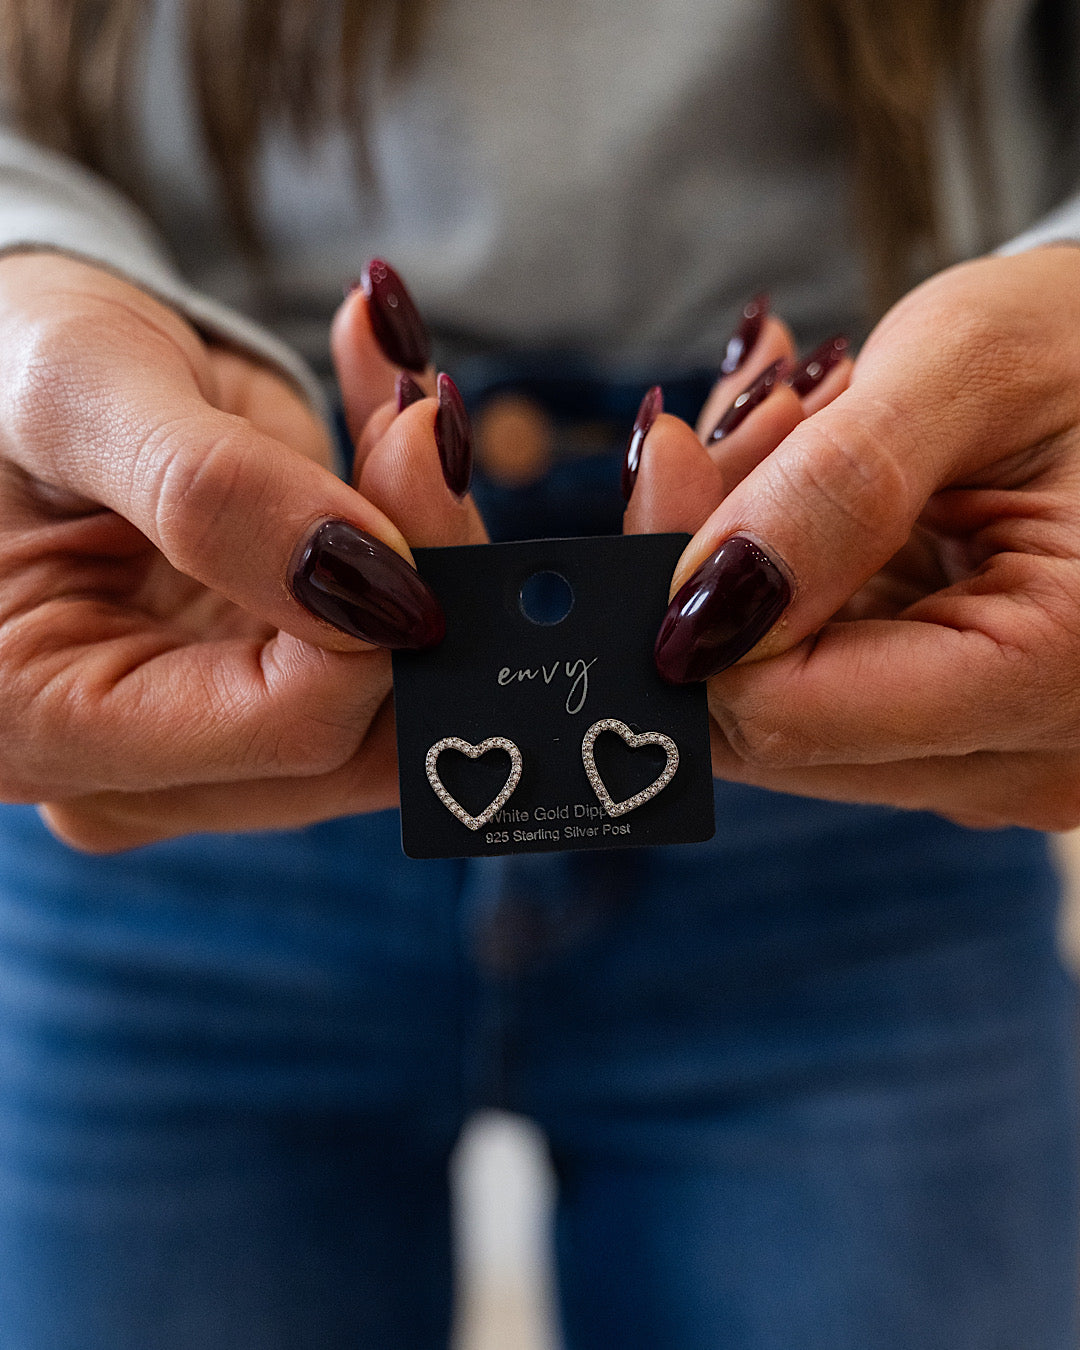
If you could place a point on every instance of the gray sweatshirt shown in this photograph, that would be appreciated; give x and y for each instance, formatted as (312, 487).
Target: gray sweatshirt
(610, 178)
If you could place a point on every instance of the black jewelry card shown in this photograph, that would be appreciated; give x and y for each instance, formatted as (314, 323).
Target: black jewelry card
(548, 644)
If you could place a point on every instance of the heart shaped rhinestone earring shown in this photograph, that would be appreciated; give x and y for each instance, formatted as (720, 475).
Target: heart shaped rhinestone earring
(431, 765)
(634, 741)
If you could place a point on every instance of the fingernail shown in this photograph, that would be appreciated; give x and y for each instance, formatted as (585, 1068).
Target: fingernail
(453, 437)
(723, 611)
(359, 584)
(744, 339)
(750, 399)
(395, 320)
(652, 405)
(808, 374)
(408, 391)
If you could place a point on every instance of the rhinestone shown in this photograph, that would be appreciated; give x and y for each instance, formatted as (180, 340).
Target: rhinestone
(634, 741)
(431, 761)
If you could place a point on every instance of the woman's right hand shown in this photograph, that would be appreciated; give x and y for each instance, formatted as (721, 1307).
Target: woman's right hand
(168, 663)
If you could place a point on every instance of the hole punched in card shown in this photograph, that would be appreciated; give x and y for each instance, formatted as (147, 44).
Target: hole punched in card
(540, 723)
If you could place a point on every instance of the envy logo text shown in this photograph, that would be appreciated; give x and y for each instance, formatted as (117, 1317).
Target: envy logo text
(577, 672)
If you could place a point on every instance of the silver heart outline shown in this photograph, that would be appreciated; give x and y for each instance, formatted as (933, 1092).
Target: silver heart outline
(634, 741)
(431, 766)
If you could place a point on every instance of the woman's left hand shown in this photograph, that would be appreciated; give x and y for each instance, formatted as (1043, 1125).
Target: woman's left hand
(886, 601)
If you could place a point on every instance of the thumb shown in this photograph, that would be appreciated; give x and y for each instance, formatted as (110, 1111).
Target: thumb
(107, 394)
(796, 538)
(240, 512)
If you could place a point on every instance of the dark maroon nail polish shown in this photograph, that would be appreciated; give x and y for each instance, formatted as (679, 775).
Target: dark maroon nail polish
(652, 405)
(723, 611)
(744, 339)
(808, 374)
(408, 391)
(750, 399)
(453, 437)
(395, 320)
(359, 584)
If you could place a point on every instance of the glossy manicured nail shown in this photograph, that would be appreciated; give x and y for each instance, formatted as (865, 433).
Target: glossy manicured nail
(395, 320)
(360, 585)
(744, 339)
(453, 437)
(808, 374)
(750, 399)
(723, 611)
(652, 405)
(408, 391)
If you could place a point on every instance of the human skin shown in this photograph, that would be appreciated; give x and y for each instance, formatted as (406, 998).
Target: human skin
(927, 522)
(157, 677)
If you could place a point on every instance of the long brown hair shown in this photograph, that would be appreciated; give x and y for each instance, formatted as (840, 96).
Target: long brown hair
(69, 65)
(885, 66)
(882, 64)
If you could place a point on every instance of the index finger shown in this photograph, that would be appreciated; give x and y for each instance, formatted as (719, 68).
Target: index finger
(101, 700)
(881, 691)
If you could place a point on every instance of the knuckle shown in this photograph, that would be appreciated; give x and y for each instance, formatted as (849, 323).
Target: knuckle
(971, 330)
(978, 338)
(849, 475)
(308, 747)
(191, 481)
(32, 728)
(987, 340)
(280, 742)
(318, 712)
(756, 737)
(62, 380)
(972, 321)
(40, 385)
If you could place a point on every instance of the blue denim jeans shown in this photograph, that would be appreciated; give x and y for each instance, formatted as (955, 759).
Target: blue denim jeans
(807, 1087)
(810, 1086)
